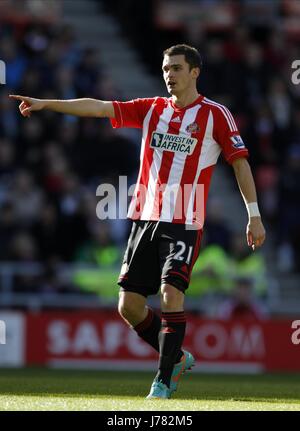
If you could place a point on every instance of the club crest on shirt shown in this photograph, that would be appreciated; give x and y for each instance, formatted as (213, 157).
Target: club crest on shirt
(193, 128)
(237, 142)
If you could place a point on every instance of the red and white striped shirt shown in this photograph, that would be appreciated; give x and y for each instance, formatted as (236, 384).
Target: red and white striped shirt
(179, 149)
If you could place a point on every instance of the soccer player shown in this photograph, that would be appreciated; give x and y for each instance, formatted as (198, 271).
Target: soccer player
(182, 138)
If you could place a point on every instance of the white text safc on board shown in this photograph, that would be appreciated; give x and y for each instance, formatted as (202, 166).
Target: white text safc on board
(174, 143)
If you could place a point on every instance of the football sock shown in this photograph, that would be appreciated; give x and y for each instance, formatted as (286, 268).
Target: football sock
(149, 330)
(170, 340)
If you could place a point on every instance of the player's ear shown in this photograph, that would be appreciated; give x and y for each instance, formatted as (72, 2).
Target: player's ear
(195, 72)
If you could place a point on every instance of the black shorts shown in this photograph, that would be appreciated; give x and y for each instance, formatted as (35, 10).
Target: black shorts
(158, 253)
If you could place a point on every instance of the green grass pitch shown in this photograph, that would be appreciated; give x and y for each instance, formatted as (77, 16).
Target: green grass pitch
(46, 389)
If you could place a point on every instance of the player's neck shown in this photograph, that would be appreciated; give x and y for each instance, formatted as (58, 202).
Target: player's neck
(185, 99)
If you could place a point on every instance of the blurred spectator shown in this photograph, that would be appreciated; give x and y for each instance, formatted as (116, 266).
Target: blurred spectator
(99, 249)
(26, 198)
(23, 248)
(52, 280)
(245, 263)
(36, 39)
(7, 165)
(56, 172)
(216, 65)
(29, 143)
(267, 178)
(254, 75)
(71, 195)
(8, 228)
(69, 46)
(216, 229)
(290, 209)
(46, 231)
(280, 104)
(64, 79)
(87, 73)
(211, 273)
(31, 81)
(8, 120)
(215, 269)
(242, 304)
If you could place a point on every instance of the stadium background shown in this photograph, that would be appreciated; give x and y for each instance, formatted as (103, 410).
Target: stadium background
(59, 263)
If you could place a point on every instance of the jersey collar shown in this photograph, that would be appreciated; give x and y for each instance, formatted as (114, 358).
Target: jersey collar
(177, 108)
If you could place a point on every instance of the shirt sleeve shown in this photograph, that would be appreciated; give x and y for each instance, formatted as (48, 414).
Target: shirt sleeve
(131, 113)
(227, 135)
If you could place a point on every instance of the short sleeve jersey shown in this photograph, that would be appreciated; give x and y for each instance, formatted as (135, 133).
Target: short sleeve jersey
(179, 149)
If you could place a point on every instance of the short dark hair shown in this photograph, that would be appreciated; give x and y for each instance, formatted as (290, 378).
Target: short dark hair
(191, 54)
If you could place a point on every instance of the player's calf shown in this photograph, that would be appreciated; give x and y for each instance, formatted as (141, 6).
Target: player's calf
(172, 299)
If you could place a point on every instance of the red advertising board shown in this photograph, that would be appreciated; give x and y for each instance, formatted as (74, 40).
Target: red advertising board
(103, 340)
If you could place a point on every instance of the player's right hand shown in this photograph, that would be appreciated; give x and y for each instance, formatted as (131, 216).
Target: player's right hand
(28, 104)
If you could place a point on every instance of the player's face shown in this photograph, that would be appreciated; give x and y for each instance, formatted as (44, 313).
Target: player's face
(177, 74)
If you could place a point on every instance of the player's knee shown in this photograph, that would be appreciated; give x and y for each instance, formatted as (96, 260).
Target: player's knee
(124, 309)
(128, 309)
(171, 297)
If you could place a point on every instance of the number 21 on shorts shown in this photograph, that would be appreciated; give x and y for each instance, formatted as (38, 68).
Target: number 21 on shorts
(181, 252)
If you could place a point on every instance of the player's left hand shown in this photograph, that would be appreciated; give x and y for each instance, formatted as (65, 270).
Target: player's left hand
(256, 233)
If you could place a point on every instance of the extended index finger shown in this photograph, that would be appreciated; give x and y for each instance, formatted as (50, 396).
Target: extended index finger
(18, 97)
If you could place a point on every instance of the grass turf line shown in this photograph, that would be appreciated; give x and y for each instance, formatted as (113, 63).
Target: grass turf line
(42, 389)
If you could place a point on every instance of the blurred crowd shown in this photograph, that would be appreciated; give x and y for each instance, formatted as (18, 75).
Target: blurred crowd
(251, 72)
(51, 164)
